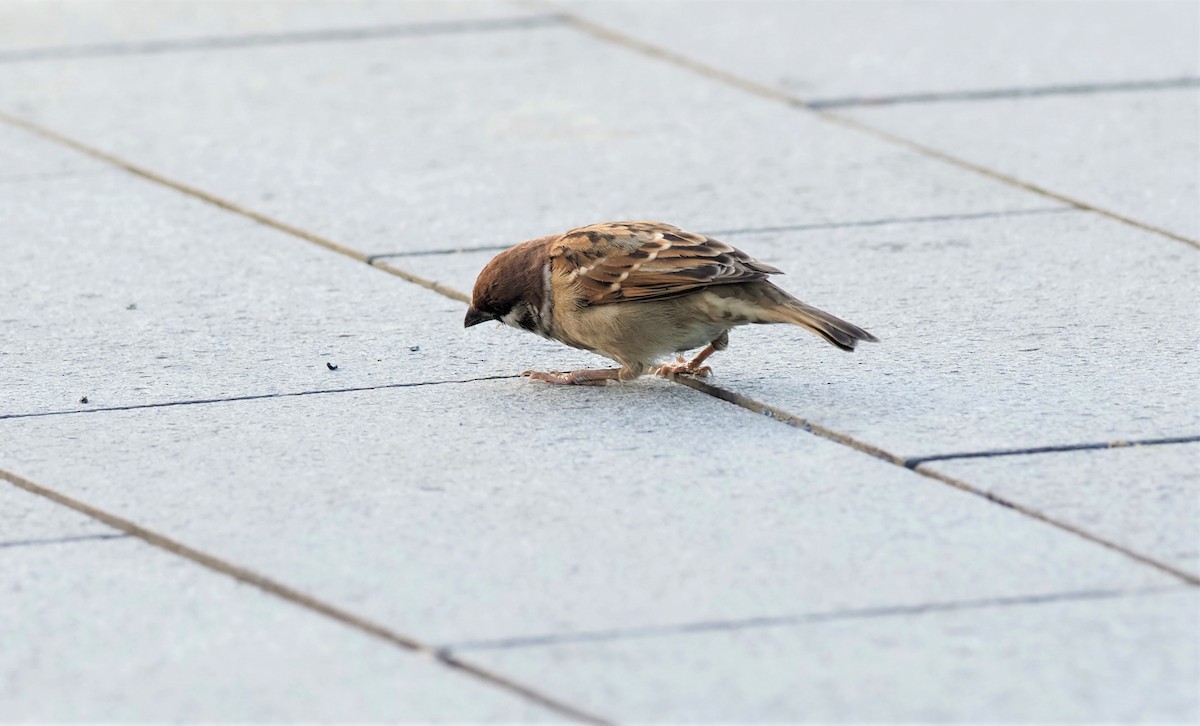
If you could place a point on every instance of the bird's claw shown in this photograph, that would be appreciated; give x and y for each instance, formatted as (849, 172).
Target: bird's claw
(548, 376)
(673, 370)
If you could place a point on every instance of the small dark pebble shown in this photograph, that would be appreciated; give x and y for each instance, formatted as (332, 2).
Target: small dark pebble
(83, 400)
(415, 348)
(331, 366)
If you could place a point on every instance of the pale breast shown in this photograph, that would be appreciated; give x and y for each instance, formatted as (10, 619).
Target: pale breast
(643, 332)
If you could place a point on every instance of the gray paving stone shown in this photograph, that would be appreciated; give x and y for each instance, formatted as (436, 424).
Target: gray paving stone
(505, 508)
(1146, 498)
(25, 517)
(825, 50)
(999, 333)
(1136, 154)
(461, 512)
(25, 157)
(125, 632)
(223, 307)
(73, 23)
(433, 142)
(1103, 660)
(1012, 333)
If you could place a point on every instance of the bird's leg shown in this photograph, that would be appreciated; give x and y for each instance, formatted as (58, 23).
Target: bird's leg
(691, 368)
(598, 377)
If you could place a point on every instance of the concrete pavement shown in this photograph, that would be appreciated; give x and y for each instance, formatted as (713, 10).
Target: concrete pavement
(245, 476)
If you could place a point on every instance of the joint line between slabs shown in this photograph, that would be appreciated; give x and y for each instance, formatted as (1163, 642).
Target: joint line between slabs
(761, 90)
(297, 37)
(296, 597)
(790, 419)
(966, 216)
(251, 397)
(994, 94)
(1185, 576)
(924, 219)
(228, 205)
(800, 619)
(728, 396)
(916, 461)
(62, 540)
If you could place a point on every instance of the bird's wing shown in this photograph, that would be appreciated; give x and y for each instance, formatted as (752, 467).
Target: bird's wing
(618, 261)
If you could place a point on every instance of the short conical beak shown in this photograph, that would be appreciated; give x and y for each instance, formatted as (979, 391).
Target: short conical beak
(474, 317)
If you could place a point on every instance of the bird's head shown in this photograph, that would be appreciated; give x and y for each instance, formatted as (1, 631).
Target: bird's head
(512, 288)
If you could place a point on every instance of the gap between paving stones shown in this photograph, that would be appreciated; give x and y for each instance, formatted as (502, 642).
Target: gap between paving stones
(300, 599)
(879, 453)
(401, 30)
(228, 205)
(249, 397)
(708, 626)
(916, 461)
(783, 228)
(443, 655)
(600, 32)
(699, 385)
(61, 540)
(1000, 93)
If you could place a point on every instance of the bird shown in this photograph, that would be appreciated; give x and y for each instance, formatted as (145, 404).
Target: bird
(637, 292)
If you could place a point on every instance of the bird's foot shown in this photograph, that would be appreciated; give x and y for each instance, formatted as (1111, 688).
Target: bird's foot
(683, 368)
(574, 378)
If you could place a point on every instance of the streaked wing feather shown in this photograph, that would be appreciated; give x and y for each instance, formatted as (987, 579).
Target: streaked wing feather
(619, 261)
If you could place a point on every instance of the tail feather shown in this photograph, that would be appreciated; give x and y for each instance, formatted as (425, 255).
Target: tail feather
(771, 304)
(830, 327)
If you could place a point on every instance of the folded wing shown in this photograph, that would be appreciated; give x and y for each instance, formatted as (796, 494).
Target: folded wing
(618, 261)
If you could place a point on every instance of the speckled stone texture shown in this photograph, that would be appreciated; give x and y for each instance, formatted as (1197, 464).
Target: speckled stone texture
(931, 529)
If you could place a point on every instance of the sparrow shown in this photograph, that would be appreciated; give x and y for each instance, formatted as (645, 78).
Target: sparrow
(637, 292)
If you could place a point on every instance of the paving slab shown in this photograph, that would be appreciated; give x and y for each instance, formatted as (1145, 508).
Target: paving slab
(999, 333)
(422, 143)
(128, 293)
(1146, 498)
(26, 519)
(1091, 660)
(834, 50)
(82, 24)
(507, 508)
(24, 157)
(1136, 154)
(121, 631)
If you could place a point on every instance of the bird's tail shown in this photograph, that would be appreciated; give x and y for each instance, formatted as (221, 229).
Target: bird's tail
(830, 327)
